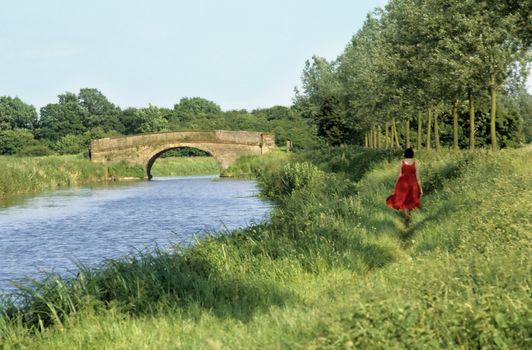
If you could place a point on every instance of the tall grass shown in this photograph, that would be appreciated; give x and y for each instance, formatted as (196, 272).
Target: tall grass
(30, 174)
(33, 174)
(185, 166)
(251, 167)
(333, 268)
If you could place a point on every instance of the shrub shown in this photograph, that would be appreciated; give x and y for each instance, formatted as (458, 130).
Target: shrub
(35, 150)
(292, 177)
(12, 141)
(70, 144)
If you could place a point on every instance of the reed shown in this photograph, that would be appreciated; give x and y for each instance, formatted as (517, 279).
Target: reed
(34, 174)
(31, 174)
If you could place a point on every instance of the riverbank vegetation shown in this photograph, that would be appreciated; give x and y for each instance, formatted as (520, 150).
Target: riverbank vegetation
(333, 268)
(23, 175)
(185, 166)
(66, 127)
(33, 174)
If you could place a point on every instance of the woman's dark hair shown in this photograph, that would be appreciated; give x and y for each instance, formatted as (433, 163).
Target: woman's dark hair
(409, 153)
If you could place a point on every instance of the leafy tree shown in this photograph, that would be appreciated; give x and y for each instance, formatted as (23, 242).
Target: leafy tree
(502, 44)
(301, 132)
(131, 121)
(14, 113)
(319, 101)
(63, 118)
(150, 119)
(364, 95)
(70, 144)
(12, 141)
(525, 110)
(274, 113)
(100, 112)
(189, 108)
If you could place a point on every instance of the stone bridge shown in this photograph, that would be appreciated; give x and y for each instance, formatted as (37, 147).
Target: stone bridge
(144, 149)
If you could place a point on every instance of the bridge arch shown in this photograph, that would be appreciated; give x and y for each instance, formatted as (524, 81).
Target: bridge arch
(153, 157)
(224, 146)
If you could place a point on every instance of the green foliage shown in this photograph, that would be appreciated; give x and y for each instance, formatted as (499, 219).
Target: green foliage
(70, 144)
(12, 141)
(23, 174)
(320, 101)
(274, 113)
(69, 125)
(35, 150)
(61, 119)
(292, 178)
(414, 55)
(149, 119)
(185, 166)
(100, 112)
(140, 120)
(301, 132)
(125, 170)
(331, 269)
(16, 114)
(351, 162)
(190, 108)
(29, 174)
(184, 152)
(253, 167)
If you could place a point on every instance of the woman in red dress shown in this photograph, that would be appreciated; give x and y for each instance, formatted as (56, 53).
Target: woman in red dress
(407, 191)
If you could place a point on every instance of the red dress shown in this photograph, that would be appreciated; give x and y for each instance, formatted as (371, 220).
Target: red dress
(406, 192)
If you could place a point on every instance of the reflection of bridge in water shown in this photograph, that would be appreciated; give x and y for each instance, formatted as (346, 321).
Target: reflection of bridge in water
(144, 149)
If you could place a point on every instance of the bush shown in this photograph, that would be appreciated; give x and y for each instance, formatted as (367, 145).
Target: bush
(292, 177)
(70, 144)
(35, 150)
(12, 141)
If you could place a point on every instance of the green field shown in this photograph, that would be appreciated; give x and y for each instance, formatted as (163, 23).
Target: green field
(334, 268)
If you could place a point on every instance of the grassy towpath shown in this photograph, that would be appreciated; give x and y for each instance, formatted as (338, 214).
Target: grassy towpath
(333, 268)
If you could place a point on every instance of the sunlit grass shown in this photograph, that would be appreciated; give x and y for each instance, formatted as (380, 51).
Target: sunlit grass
(334, 268)
(185, 166)
(33, 174)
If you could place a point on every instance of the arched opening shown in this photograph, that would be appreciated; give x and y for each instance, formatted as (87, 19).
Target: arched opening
(182, 161)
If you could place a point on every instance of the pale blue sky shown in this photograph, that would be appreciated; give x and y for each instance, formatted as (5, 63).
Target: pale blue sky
(237, 53)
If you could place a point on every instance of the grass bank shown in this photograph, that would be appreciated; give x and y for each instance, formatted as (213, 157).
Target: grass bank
(185, 166)
(333, 268)
(34, 174)
(254, 167)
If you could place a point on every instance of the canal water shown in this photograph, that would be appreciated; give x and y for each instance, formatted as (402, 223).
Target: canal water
(56, 230)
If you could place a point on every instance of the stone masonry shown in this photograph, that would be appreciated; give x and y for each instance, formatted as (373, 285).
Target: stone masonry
(144, 149)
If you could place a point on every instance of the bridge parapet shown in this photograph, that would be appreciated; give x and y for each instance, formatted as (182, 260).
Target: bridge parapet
(225, 146)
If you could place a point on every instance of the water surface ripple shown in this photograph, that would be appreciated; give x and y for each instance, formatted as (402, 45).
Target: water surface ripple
(54, 230)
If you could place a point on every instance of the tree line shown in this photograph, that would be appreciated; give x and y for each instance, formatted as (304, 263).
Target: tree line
(427, 73)
(67, 126)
